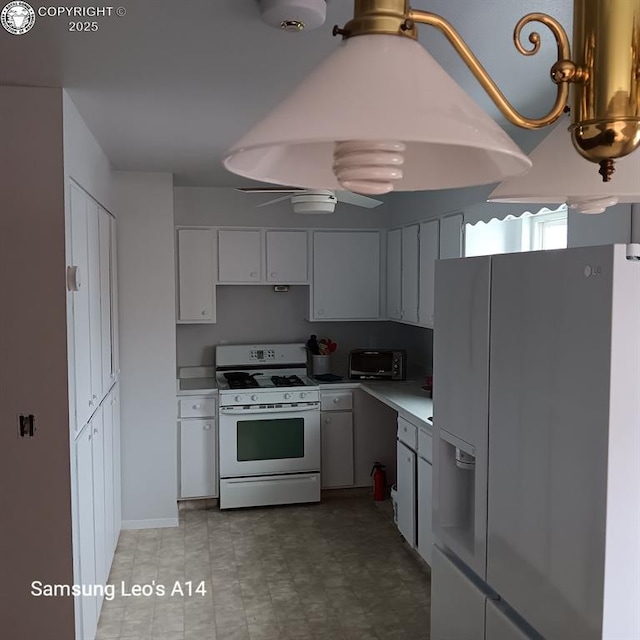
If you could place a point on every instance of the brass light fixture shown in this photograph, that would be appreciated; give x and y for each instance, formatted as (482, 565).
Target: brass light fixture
(603, 70)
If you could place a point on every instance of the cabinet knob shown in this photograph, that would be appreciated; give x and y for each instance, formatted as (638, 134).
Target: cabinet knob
(91, 403)
(195, 406)
(95, 431)
(274, 274)
(207, 427)
(320, 312)
(94, 397)
(203, 313)
(336, 400)
(327, 420)
(253, 274)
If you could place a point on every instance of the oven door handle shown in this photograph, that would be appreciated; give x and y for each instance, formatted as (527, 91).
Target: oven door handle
(233, 411)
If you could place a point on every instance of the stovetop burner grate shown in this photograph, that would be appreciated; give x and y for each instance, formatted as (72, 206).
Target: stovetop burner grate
(287, 381)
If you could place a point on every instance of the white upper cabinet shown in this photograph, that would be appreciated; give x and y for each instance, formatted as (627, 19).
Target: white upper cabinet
(95, 312)
(287, 256)
(346, 275)
(451, 236)
(79, 287)
(196, 275)
(106, 328)
(394, 274)
(239, 255)
(91, 281)
(429, 251)
(410, 248)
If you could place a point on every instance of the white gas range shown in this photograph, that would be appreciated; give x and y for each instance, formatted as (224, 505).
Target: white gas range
(269, 426)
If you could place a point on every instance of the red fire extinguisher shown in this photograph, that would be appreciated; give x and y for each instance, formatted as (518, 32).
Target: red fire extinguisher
(379, 481)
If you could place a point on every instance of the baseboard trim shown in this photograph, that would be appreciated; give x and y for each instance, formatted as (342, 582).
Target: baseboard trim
(159, 523)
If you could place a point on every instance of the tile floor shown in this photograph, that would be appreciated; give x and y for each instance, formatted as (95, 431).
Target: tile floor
(338, 570)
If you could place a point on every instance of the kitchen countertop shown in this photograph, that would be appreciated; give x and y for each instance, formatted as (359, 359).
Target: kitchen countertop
(197, 386)
(406, 397)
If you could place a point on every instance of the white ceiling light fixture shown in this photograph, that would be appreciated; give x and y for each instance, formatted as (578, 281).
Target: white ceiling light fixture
(576, 184)
(294, 15)
(380, 114)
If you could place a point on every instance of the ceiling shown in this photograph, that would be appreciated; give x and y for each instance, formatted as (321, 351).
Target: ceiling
(171, 85)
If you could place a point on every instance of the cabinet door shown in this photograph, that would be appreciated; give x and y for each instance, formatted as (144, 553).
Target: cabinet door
(196, 275)
(97, 450)
(85, 529)
(287, 259)
(81, 317)
(115, 327)
(410, 248)
(106, 330)
(451, 236)
(198, 459)
(337, 449)
(109, 503)
(239, 255)
(95, 317)
(406, 497)
(117, 495)
(346, 275)
(429, 248)
(394, 274)
(457, 604)
(425, 489)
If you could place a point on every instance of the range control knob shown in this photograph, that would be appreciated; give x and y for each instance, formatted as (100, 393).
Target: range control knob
(254, 397)
(238, 399)
(287, 396)
(303, 395)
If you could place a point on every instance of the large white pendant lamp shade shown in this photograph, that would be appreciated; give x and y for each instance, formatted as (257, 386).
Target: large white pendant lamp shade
(560, 175)
(379, 114)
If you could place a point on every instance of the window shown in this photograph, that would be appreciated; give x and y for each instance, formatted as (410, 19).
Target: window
(543, 230)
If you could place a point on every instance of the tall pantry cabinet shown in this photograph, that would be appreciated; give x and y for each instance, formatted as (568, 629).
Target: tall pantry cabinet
(95, 425)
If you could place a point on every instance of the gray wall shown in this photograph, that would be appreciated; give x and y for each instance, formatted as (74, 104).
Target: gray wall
(258, 314)
(146, 282)
(35, 493)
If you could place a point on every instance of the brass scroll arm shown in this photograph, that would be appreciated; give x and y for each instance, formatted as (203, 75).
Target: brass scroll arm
(563, 71)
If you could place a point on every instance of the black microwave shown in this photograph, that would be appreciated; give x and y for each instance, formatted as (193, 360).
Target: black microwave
(377, 364)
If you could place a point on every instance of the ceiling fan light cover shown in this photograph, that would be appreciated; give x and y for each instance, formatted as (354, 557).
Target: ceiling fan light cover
(378, 88)
(560, 175)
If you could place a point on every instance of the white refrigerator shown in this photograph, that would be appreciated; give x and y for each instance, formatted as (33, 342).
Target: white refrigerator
(536, 506)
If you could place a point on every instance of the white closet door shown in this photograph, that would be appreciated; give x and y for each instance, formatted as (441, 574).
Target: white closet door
(196, 275)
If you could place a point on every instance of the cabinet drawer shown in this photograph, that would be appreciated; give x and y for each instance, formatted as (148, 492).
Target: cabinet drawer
(407, 433)
(338, 401)
(196, 407)
(425, 446)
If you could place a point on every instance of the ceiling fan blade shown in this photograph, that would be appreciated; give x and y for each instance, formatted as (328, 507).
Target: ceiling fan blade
(268, 189)
(357, 200)
(266, 204)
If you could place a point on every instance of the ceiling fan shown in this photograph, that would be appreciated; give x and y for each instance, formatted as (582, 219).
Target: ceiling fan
(308, 201)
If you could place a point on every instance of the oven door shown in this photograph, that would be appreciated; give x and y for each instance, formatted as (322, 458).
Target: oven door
(256, 441)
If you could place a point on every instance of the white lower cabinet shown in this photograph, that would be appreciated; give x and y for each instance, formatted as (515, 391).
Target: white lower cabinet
(97, 517)
(85, 534)
(425, 485)
(336, 432)
(198, 459)
(406, 492)
(336, 449)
